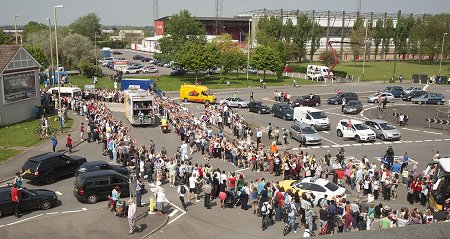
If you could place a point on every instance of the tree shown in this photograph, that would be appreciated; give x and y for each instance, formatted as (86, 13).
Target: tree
(327, 58)
(405, 27)
(230, 55)
(357, 35)
(388, 34)
(88, 25)
(269, 30)
(302, 34)
(377, 36)
(179, 29)
(88, 69)
(38, 55)
(32, 27)
(287, 31)
(266, 58)
(196, 57)
(5, 39)
(74, 48)
(316, 33)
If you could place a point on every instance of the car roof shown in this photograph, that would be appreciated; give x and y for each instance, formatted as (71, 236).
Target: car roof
(378, 121)
(353, 101)
(301, 124)
(100, 173)
(44, 156)
(353, 121)
(281, 104)
(319, 181)
(94, 163)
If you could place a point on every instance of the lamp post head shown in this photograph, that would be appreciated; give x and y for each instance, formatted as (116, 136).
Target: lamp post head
(445, 33)
(58, 6)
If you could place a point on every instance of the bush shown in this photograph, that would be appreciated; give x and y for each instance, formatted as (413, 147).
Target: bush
(88, 69)
(342, 74)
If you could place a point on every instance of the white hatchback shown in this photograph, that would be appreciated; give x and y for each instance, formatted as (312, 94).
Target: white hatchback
(320, 187)
(355, 130)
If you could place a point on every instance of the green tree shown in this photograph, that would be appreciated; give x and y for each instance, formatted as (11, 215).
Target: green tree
(5, 39)
(302, 34)
(388, 34)
(357, 35)
(32, 27)
(179, 29)
(377, 36)
(88, 69)
(73, 48)
(287, 31)
(405, 28)
(196, 57)
(269, 30)
(87, 25)
(230, 55)
(38, 55)
(315, 34)
(266, 58)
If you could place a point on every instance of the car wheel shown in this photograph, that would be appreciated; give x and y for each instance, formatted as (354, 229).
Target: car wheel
(317, 104)
(375, 101)
(240, 106)
(45, 205)
(50, 178)
(273, 114)
(185, 100)
(382, 137)
(336, 103)
(357, 139)
(284, 117)
(92, 199)
(259, 111)
(339, 133)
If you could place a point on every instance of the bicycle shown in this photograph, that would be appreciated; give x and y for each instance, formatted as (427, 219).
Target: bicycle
(40, 132)
(266, 219)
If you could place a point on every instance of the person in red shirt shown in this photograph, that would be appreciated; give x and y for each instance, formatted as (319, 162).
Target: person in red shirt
(340, 176)
(231, 181)
(69, 143)
(417, 190)
(15, 195)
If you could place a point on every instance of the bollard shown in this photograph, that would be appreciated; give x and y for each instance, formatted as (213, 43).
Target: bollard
(151, 207)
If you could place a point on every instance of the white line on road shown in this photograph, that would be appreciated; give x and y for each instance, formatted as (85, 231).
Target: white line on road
(398, 142)
(415, 130)
(58, 193)
(26, 219)
(432, 132)
(447, 139)
(239, 170)
(173, 213)
(428, 140)
(367, 143)
(71, 211)
(335, 146)
(315, 147)
(438, 140)
(408, 141)
(345, 145)
(356, 144)
(418, 141)
(183, 212)
(325, 146)
(294, 148)
(326, 132)
(84, 209)
(330, 141)
(387, 142)
(51, 213)
(377, 143)
(2, 226)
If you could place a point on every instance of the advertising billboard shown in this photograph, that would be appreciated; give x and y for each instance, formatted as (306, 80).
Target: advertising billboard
(19, 86)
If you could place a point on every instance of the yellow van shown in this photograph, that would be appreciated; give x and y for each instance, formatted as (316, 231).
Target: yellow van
(196, 93)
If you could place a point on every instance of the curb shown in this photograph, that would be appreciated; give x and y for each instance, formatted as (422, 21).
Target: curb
(148, 235)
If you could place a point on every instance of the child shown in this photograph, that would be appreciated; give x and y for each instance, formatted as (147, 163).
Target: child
(82, 131)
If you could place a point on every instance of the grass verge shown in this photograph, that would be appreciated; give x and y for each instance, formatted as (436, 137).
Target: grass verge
(6, 154)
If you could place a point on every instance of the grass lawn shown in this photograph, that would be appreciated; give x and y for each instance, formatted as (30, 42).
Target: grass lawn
(8, 153)
(216, 81)
(384, 70)
(22, 135)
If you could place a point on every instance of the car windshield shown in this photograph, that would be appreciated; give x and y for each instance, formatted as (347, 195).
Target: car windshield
(239, 99)
(286, 108)
(318, 115)
(263, 105)
(331, 186)
(360, 126)
(353, 103)
(30, 164)
(206, 92)
(309, 130)
(386, 126)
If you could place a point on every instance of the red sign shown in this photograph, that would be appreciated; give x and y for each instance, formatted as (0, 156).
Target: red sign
(158, 27)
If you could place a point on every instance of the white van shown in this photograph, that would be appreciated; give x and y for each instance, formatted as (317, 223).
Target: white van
(312, 116)
(315, 72)
(66, 91)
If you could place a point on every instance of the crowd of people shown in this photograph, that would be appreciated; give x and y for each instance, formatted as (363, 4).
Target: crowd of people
(329, 215)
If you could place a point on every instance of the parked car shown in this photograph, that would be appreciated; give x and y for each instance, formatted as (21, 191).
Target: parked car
(98, 165)
(284, 111)
(412, 88)
(48, 167)
(307, 100)
(146, 59)
(396, 91)
(149, 69)
(236, 102)
(353, 107)
(178, 72)
(304, 133)
(117, 53)
(95, 186)
(337, 99)
(132, 70)
(317, 186)
(413, 94)
(29, 199)
(259, 107)
(383, 129)
(374, 98)
(252, 70)
(138, 57)
(358, 130)
(429, 98)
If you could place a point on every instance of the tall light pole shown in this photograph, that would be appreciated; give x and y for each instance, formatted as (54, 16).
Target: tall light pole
(366, 41)
(442, 53)
(52, 71)
(248, 46)
(95, 49)
(15, 28)
(57, 66)
(397, 27)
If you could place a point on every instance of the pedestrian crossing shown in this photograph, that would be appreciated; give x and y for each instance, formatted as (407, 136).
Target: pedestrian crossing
(369, 144)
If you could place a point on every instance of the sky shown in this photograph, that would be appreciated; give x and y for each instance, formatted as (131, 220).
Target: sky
(140, 12)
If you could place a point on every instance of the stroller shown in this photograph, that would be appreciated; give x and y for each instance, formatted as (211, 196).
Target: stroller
(232, 197)
(121, 209)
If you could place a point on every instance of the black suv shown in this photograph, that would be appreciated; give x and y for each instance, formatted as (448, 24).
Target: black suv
(29, 199)
(48, 167)
(94, 186)
(258, 107)
(284, 111)
(337, 99)
(100, 165)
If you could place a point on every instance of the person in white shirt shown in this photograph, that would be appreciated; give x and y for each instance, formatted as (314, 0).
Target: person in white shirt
(132, 216)
(160, 198)
(193, 188)
(184, 151)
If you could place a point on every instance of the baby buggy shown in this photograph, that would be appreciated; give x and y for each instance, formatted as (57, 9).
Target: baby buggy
(232, 200)
(121, 208)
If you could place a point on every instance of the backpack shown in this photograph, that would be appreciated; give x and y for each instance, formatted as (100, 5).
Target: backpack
(264, 208)
(183, 189)
(289, 208)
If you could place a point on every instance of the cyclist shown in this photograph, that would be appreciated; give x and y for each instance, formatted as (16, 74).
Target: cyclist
(266, 212)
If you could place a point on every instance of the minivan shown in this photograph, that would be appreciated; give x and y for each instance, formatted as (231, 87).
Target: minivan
(337, 99)
(312, 116)
(95, 186)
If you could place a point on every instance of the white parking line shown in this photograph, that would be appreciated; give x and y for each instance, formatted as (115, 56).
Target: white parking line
(23, 220)
(71, 211)
(398, 142)
(316, 147)
(415, 130)
(330, 141)
(51, 213)
(428, 140)
(367, 143)
(447, 139)
(242, 169)
(438, 140)
(183, 212)
(335, 146)
(326, 132)
(58, 193)
(356, 144)
(173, 213)
(408, 141)
(377, 143)
(418, 141)
(326, 146)
(345, 145)
(387, 142)
(432, 132)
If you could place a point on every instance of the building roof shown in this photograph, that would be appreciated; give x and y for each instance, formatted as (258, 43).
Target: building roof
(203, 19)
(6, 54)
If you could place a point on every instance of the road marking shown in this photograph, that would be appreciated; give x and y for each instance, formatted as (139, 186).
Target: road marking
(294, 148)
(84, 209)
(428, 140)
(438, 140)
(418, 141)
(447, 139)
(183, 212)
(58, 193)
(173, 213)
(367, 143)
(242, 169)
(2, 226)
(377, 143)
(387, 142)
(408, 141)
(51, 213)
(356, 144)
(330, 141)
(432, 132)
(398, 142)
(315, 147)
(26, 219)
(345, 145)
(326, 132)
(71, 211)
(415, 130)
(325, 146)
(335, 146)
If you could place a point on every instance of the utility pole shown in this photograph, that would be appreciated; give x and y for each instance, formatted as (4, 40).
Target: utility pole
(397, 28)
(442, 53)
(15, 28)
(366, 41)
(52, 70)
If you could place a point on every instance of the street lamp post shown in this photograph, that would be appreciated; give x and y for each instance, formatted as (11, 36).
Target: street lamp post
(15, 28)
(442, 53)
(61, 119)
(248, 46)
(52, 71)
